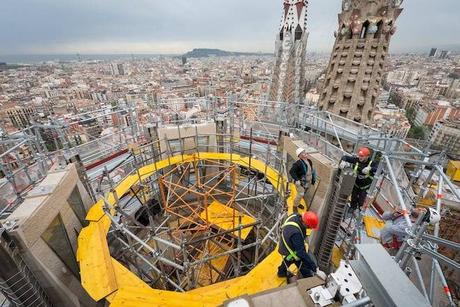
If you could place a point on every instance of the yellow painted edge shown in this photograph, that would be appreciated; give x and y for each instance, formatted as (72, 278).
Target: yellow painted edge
(92, 245)
(337, 256)
(96, 269)
(372, 222)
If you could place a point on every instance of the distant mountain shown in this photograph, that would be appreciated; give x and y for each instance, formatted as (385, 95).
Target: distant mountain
(5, 66)
(205, 53)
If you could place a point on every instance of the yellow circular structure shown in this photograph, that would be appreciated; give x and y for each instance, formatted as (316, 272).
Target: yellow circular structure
(103, 277)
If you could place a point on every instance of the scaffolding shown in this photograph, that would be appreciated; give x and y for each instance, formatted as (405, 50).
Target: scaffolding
(192, 221)
(212, 219)
(392, 188)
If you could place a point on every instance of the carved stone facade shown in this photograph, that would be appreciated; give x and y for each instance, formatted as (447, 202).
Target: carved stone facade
(288, 80)
(353, 77)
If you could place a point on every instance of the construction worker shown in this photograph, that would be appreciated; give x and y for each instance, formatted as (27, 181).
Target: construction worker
(364, 168)
(292, 245)
(303, 174)
(393, 234)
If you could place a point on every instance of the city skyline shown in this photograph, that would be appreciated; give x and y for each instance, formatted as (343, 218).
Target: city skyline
(174, 27)
(161, 152)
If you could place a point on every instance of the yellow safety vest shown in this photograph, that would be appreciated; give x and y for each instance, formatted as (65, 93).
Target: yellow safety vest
(355, 171)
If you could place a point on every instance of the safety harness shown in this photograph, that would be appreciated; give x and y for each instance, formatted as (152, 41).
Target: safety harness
(355, 171)
(292, 254)
(307, 171)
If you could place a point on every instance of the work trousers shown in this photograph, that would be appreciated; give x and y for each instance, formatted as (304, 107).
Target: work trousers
(358, 197)
(301, 190)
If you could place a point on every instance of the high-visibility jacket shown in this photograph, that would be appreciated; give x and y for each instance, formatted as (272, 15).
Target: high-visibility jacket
(363, 181)
(293, 225)
(292, 242)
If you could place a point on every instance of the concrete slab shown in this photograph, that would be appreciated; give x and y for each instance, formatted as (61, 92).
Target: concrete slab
(293, 295)
(26, 209)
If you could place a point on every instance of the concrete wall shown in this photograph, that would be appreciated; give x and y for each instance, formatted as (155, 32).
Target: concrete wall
(31, 219)
(326, 170)
(188, 134)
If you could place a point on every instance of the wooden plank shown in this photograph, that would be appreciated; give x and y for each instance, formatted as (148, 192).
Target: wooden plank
(96, 270)
(227, 218)
(373, 226)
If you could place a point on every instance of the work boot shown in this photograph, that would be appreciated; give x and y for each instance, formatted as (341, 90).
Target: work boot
(286, 274)
(291, 279)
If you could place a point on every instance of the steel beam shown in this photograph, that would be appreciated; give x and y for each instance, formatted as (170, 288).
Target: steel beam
(413, 161)
(385, 283)
(358, 303)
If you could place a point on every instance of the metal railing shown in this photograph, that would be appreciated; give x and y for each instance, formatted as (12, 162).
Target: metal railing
(252, 129)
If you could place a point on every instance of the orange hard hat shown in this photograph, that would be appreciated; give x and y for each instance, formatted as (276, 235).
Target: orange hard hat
(364, 152)
(310, 219)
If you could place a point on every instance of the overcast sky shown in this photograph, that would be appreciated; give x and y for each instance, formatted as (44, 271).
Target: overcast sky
(176, 26)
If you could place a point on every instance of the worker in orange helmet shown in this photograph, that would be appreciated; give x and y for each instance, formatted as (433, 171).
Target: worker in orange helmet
(364, 168)
(292, 245)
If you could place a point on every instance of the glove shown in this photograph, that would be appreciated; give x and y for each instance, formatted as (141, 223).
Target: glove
(342, 164)
(321, 274)
(366, 170)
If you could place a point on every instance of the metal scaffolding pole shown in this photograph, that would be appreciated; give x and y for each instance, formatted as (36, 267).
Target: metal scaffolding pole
(154, 252)
(398, 192)
(436, 234)
(335, 132)
(152, 266)
(449, 183)
(420, 277)
(436, 264)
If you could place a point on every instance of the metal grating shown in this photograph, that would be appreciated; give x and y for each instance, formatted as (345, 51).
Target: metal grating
(343, 185)
(17, 283)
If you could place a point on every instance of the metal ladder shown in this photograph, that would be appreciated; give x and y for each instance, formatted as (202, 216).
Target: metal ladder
(336, 207)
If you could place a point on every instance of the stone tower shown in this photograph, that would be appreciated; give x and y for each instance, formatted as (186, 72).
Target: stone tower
(288, 79)
(353, 77)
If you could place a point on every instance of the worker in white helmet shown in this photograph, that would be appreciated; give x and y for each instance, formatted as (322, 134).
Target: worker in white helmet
(303, 175)
(394, 233)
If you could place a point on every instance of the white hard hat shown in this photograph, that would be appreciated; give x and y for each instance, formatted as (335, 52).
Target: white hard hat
(434, 216)
(299, 151)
